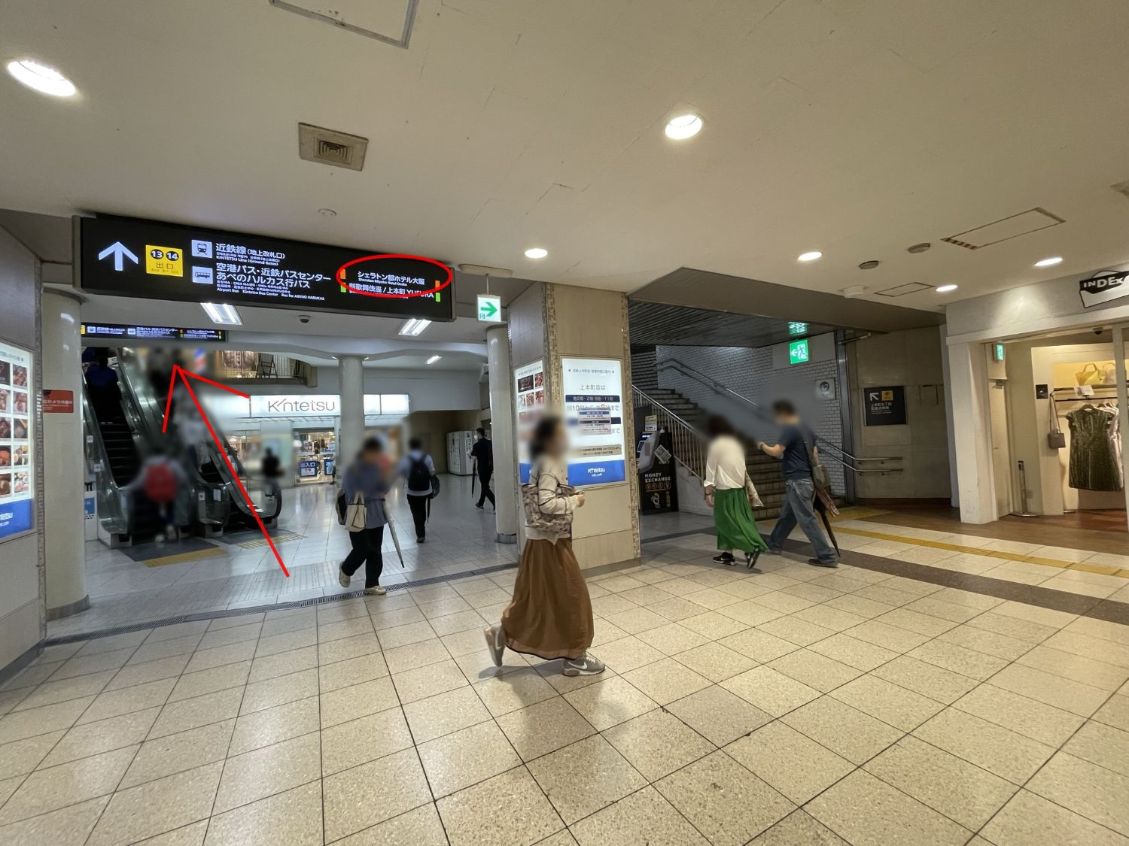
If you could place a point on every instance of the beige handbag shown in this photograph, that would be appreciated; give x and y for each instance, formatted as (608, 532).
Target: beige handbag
(1090, 374)
(751, 492)
(356, 515)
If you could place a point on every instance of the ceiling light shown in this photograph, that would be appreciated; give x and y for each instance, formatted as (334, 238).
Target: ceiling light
(810, 255)
(536, 253)
(944, 289)
(1049, 262)
(434, 359)
(43, 78)
(414, 326)
(681, 127)
(852, 291)
(869, 264)
(222, 313)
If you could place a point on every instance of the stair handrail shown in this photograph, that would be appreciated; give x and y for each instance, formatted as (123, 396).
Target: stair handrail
(689, 445)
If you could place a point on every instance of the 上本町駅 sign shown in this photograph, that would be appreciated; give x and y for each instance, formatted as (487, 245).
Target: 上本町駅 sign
(127, 257)
(1103, 288)
(884, 406)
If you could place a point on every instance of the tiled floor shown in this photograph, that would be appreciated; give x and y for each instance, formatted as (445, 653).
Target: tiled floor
(793, 706)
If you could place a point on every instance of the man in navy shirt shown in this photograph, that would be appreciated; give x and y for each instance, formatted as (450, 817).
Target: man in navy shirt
(799, 489)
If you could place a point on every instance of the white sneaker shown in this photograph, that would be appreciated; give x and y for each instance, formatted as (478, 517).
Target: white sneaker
(375, 591)
(343, 578)
(496, 643)
(588, 665)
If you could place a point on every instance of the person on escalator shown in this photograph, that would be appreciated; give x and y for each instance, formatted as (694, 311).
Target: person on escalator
(164, 483)
(418, 471)
(103, 388)
(366, 482)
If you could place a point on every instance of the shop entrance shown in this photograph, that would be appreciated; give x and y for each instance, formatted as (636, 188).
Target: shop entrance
(316, 455)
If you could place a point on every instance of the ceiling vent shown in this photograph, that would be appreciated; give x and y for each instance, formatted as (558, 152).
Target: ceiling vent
(902, 290)
(329, 147)
(1024, 223)
(386, 21)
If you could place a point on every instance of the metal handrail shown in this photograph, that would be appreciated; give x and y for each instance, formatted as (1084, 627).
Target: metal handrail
(689, 446)
(112, 501)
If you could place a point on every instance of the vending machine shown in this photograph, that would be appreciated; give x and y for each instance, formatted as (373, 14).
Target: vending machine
(459, 462)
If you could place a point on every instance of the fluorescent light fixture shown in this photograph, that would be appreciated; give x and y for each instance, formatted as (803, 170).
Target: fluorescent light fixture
(797, 327)
(414, 326)
(42, 78)
(681, 127)
(222, 313)
(810, 255)
(1049, 262)
(945, 289)
(434, 359)
(536, 253)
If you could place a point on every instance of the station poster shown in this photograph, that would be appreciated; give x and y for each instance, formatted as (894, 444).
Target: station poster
(17, 442)
(529, 403)
(593, 411)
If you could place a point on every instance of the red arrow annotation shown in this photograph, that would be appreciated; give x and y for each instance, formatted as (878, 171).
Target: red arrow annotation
(185, 376)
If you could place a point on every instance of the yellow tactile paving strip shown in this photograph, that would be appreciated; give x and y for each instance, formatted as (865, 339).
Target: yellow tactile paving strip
(180, 557)
(1121, 572)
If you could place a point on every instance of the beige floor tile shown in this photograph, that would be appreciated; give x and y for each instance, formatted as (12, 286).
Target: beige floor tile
(750, 612)
(206, 659)
(273, 644)
(349, 703)
(770, 691)
(759, 645)
(996, 749)
(414, 655)
(292, 817)
(799, 827)
(637, 620)
(193, 713)
(1078, 698)
(795, 630)
(988, 642)
(157, 806)
(269, 770)
(465, 643)
(404, 635)
(583, 778)
(420, 827)
(666, 680)
(1028, 819)
(69, 826)
(845, 730)
(1103, 745)
(466, 757)
(347, 647)
(657, 743)
(544, 727)
(723, 800)
(958, 659)
(280, 690)
(209, 681)
(1012, 627)
(445, 713)
(513, 689)
(789, 761)
(676, 609)
(1085, 788)
(959, 790)
(1079, 668)
(827, 617)
(1044, 723)
(283, 664)
(529, 818)
(646, 595)
(788, 603)
(273, 725)
(1115, 712)
(888, 702)
(359, 741)
(1092, 638)
(860, 606)
(166, 668)
(718, 715)
(715, 662)
(815, 670)
(604, 632)
(390, 618)
(423, 682)
(344, 628)
(77, 687)
(610, 702)
(114, 703)
(178, 752)
(868, 812)
(81, 665)
(628, 653)
(67, 784)
(460, 622)
(644, 818)
(926, 679)
(230, 635)
(22, 756)
(351, 671)
(853, 652)
(713, 624)
(888, 637)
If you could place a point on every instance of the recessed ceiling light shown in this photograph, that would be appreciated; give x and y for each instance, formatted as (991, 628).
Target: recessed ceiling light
(810, 255)
(923, 247)
(414, 326)
(681, 127)
(434, 359)
(222, 313)
(869, 264)
(327, 212)
(43, 78)
(944, 289)
(1049, 262)
(536, 253)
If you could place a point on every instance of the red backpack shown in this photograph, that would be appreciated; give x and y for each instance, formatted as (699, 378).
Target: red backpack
(160, 482)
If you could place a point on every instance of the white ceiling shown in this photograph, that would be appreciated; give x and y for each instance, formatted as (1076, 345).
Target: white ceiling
(857, 128)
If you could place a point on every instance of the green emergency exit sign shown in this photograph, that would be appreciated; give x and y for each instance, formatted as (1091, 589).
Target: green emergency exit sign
(798, 352)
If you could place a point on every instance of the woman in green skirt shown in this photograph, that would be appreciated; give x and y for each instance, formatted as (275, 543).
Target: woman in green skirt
(730, 493)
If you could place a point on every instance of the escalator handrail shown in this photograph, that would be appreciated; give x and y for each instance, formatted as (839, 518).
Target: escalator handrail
(112, 500)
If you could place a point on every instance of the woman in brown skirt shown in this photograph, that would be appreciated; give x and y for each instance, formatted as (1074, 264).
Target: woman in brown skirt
(550, 615)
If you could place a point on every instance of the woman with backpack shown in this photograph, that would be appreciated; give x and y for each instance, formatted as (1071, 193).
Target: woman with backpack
(365, 485)
(550, 615)
(418, 471)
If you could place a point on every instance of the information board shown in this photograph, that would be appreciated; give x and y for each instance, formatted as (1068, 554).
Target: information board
(127, 257)
(593, 410)
(884, 406)
(529, 403)
(17, 442)
(125, 332)
(308, 469)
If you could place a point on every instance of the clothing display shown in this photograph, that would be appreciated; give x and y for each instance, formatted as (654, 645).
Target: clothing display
(1095, 448)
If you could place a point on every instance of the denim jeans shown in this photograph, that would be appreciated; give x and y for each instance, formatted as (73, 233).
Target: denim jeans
(798, 507)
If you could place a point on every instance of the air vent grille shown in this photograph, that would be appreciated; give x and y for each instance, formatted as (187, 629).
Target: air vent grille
(902, 290)
(329, 147)
(1024, 223)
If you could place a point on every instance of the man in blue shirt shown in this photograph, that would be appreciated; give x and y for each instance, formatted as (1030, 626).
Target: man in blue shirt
(799, 490)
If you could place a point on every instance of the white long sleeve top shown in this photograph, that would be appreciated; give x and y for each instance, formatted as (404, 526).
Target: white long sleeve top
(725, 464)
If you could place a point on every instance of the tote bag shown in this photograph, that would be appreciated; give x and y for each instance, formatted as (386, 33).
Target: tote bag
(356, 515)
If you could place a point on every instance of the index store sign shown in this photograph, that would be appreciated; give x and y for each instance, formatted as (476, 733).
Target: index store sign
(489, 308)
(799, 352)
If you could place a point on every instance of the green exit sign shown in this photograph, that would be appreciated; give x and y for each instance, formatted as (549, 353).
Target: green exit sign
(998, 352)
(798, 352)
(489, 308)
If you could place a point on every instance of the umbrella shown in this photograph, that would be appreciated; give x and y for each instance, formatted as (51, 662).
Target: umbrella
(396, 542)
(826, 506)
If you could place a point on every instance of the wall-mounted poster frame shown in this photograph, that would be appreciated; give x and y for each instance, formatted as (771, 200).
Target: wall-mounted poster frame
(594, 414)
(529, 403)
(17, 441)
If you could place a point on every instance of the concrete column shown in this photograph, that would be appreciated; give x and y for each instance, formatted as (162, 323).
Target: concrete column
(352, 393)
(502, 431)
(972, 425)
(63, 462)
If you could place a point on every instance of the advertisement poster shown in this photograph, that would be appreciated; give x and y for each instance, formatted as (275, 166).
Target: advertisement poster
(529, 402)
(593, 410)
(17, 468)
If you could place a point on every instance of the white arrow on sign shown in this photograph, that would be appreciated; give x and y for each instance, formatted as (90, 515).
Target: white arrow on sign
(119, 251)
(874, 395)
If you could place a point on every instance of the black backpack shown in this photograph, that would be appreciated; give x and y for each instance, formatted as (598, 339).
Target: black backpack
(419, 477)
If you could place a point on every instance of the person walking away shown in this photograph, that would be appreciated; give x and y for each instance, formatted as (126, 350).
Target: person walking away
(271, 467)
(367, 477)
(417, 468)
(483, 454)
(730, 493)
(795, 447)
(103, 388)
(550, 614)
(162, 481)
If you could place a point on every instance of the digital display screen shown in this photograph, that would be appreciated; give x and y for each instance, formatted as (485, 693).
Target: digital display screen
(127, 257)
(17, 442)
(121, 331)
(308, 469)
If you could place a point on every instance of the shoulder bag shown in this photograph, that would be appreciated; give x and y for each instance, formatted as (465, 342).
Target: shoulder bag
(558, 525)
(356, 515)
(1055, 437)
